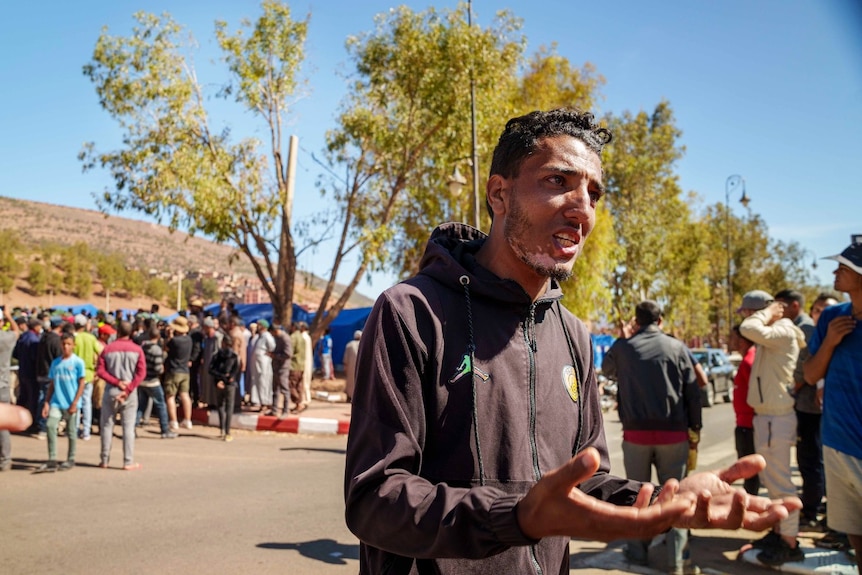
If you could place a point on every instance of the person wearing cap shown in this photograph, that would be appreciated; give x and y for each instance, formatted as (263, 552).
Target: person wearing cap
(770, 394)
(25, 352)
(177, 376)
(122, 366)
(297, 369)
(196, 308)
(210, 346)
(105, 334)
(350, 352)
(87, 348)
(7, 346)
(836, 356)
(261, 376)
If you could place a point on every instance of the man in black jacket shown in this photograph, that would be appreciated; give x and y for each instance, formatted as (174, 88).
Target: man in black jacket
(659, 407)
(49, 349)
(476, 442)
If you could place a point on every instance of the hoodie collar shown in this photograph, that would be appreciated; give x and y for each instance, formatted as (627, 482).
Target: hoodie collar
(451, 253)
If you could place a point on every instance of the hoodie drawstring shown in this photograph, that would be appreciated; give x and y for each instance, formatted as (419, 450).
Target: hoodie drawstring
(471, 350)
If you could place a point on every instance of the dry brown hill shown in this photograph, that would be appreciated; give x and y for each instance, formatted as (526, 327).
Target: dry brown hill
(145, 245)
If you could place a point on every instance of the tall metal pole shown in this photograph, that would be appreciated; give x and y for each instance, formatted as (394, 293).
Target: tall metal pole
(732, 182)
(475, 153)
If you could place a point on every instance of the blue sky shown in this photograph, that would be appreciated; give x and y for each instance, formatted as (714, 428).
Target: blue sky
(768, 89)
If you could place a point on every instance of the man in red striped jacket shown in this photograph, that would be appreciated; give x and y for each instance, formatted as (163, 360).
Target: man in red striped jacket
(122, 366)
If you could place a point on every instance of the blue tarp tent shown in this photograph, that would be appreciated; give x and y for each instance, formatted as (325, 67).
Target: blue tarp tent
(601, 344)
(341, 330)
(85, 308)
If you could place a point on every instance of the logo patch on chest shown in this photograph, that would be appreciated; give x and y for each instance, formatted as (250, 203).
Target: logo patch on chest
(570, 382)
(468, 367)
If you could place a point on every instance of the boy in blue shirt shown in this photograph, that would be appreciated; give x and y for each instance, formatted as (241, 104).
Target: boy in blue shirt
(65, 388)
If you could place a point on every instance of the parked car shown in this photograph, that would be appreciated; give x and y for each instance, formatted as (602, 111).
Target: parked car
(720, 372)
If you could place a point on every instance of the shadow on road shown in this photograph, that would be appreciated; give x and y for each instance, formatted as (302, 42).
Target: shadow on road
(325, 550)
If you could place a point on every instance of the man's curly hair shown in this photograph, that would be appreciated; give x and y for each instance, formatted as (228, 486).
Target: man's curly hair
(521, 136)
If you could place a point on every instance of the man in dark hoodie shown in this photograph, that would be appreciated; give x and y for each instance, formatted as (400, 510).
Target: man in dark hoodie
(476, 441)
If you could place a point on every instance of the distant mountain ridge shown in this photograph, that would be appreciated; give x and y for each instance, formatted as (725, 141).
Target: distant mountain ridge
(145, 245)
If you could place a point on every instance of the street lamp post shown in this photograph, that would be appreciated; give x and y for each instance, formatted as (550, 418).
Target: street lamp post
(456, 183)
(732, 182)
(474, 150)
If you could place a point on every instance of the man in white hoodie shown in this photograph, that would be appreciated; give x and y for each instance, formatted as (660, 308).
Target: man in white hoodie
(770, 387)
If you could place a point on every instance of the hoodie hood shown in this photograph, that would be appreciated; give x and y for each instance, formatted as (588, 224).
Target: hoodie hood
(451, 253)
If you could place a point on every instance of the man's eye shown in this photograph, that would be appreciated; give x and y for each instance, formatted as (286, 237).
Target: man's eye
(596, 195)
(557, 180)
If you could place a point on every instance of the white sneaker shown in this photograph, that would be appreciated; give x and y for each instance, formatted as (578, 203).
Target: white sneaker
(187, 423)
(174, 425)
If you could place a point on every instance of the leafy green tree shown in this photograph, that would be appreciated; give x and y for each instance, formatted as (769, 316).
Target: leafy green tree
(175, 166)
(37, 277)
(209, 290)
(10, 246)
(190, 291)
(51, 255)
(649, 214)
(157, 288)
(134, 282)
(403, 127)
(551, 81)
(75, 261)
(111, 270)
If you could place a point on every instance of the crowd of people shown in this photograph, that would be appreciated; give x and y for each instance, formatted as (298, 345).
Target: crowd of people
(76, 372)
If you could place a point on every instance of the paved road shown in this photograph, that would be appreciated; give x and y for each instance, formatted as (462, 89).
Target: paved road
(265, 503)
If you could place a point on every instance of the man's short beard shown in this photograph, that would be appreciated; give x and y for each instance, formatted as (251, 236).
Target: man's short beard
(516, 224)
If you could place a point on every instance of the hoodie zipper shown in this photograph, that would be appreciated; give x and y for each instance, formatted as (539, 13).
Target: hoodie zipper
(530, 340)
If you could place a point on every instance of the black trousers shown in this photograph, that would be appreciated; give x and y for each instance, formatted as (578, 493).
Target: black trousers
(745, 446)
(809, 457)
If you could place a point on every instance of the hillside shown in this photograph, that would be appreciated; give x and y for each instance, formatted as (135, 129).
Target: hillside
(145, 245)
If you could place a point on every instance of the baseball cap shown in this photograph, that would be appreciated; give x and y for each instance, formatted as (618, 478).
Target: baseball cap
(106, 329)
(56, 321)
(850, 257)
(80, 320)
(755, 300)
(208, 322)
(263, 323)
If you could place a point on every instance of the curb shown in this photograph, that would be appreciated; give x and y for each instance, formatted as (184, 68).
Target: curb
(290, 424)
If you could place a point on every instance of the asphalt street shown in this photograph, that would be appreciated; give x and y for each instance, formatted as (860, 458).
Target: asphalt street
(264, 503)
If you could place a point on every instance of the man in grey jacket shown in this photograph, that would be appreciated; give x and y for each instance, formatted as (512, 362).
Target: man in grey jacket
(659, 407)
(770, 389)
(476, 442)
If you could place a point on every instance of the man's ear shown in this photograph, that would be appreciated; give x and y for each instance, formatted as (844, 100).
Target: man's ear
(496, 191)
